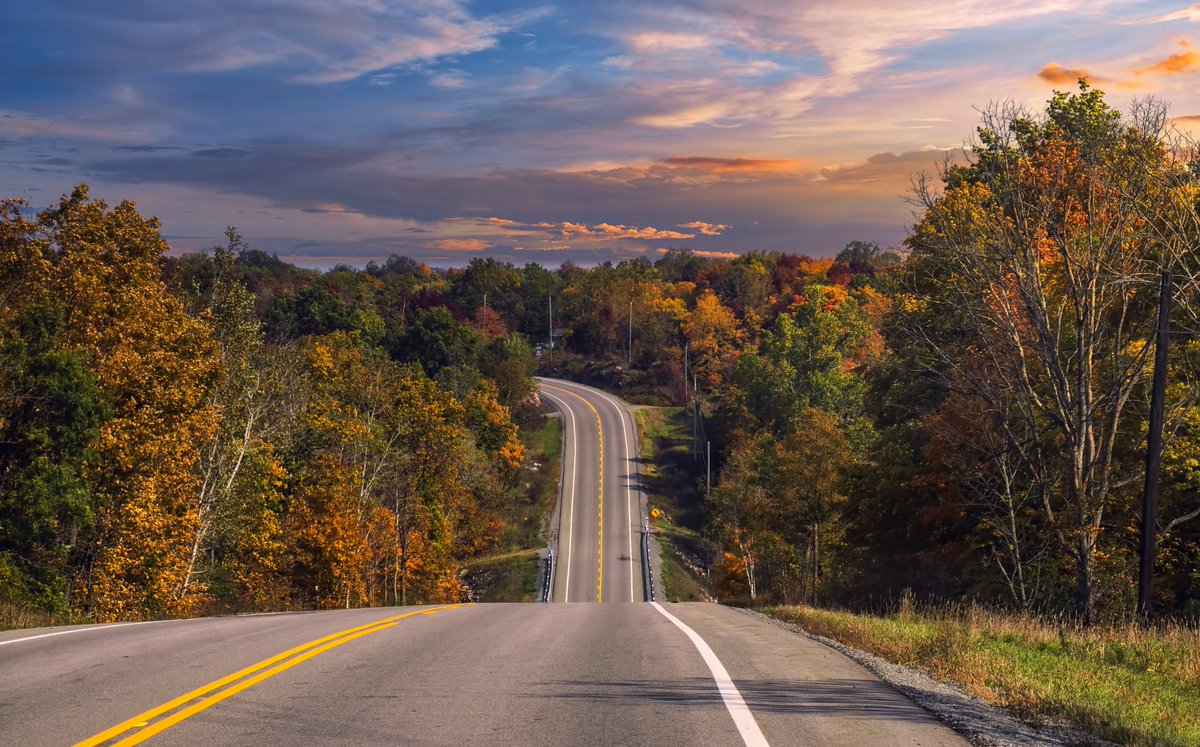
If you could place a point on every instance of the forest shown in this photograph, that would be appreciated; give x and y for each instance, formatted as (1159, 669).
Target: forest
(960, 417)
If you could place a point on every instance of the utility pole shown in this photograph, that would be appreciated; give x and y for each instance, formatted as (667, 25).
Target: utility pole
(707, 467)
(685, 374)
(1149, 528)
(550, 301)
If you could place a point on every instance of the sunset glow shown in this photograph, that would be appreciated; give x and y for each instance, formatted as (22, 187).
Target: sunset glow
(538, 131)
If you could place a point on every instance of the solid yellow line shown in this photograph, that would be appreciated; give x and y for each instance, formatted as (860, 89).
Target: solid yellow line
(166, 723)
(600, 438)
(141, 719)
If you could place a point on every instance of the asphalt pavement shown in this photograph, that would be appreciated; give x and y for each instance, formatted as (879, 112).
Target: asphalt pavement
(539, 674)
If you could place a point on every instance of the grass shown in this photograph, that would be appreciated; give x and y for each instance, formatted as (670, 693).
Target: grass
(1132, 685)
(671, 475)
(14, 617)
(511, 577)
(528, 519)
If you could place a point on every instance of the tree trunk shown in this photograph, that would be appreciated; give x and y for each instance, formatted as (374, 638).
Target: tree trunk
(1085, 580)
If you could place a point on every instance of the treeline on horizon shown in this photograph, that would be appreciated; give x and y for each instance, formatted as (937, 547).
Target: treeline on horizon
(961, 418)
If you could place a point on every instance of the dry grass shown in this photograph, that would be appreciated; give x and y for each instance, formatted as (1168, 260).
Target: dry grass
(1129, 684)
(13, 617)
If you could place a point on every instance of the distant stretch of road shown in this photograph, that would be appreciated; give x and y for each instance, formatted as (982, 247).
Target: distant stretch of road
(498, 674)
(598, 550)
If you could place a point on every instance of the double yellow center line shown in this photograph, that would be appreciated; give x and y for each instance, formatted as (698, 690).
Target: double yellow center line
(172, 712)
(600, 489)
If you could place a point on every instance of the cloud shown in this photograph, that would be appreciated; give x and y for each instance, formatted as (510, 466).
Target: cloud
(657, 42)
(1187, 118)
(706, 254)
(452, 80)
(1058, 75)
(460, 245)
(708, 229)
(1180, 63)
(24, 126)
(330, 207)
(572, 231)
(221, 153)
(890, 170)
(715, 165)
(312, 41)
(685, 117)
(1191, 13)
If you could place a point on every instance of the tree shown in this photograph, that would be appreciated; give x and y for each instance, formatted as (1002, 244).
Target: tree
(1046, 251)
(51, 415)
(712, 333)
(155, 366)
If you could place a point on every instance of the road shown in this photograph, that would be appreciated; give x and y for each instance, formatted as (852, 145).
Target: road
(540, 674)
(598, 550)
(499, 674)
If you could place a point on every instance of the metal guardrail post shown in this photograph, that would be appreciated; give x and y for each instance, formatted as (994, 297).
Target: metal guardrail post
(548, 575)
(647, 567)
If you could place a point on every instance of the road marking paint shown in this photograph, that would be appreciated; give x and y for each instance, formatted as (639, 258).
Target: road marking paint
(743, 718)
(600, 531)
(205, 703)
(571, 503)
(621, 413)
(289, 658)
(83, 630)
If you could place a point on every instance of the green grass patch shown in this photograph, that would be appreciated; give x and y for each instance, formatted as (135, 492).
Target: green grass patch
(1133, 685)
(671, 477)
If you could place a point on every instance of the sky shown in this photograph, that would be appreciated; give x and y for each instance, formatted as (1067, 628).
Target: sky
(344, 131)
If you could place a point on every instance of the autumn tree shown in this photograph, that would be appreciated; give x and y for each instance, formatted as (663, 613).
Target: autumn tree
(1043, 256)
(155, 366)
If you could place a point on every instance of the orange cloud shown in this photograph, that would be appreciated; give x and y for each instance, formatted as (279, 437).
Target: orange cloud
(503, 222)
(735, 165)
(708, 229)
(1187, 118)
(1058, 75)
(1180, 63)
(605, 231)
(461, 245)
(571, 231)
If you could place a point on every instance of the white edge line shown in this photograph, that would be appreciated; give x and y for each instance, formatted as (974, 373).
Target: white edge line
(81, 630)
(743, 718)
(622, 411)
(570, 504)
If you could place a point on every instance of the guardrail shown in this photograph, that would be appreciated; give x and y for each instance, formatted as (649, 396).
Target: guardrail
(647, 566)
(548, 575)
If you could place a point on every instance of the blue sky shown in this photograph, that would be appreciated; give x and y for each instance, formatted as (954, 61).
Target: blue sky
(536, 131)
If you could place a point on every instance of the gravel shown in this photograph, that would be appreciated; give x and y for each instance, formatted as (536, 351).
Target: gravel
(978, 721)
